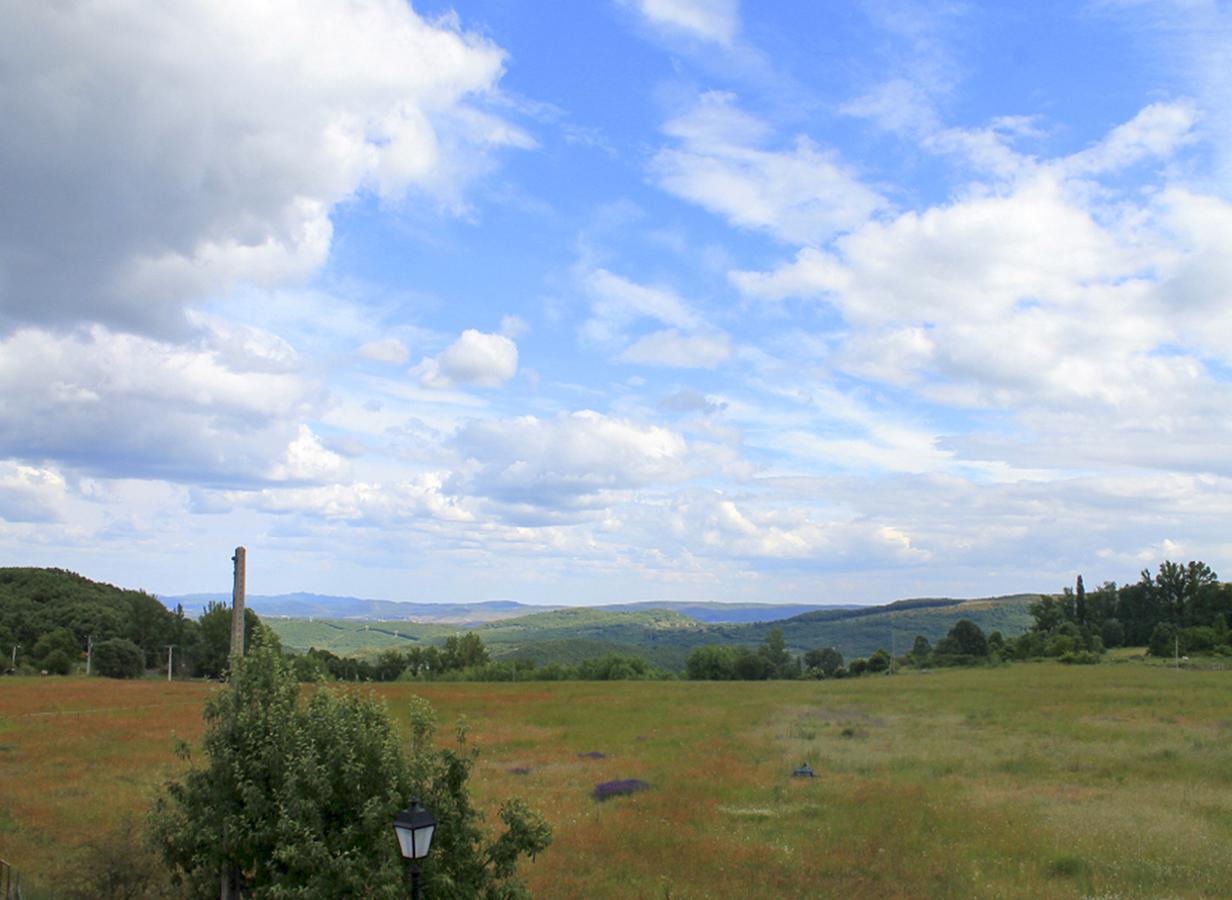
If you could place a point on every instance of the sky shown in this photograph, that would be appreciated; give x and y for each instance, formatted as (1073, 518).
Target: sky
(624, 300)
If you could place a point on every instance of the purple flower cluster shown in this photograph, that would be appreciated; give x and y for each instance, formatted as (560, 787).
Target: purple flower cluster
(519, 770)
(619, 788)
(593, 754)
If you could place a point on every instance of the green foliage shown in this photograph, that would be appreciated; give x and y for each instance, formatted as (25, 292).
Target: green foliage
(965, 642)
(118, 658)
(121, 864)
(663, 638)
(46, 610)
(60, 643)
(921, 649)
(825, 662)
(214, 647)
(57, 662)
(1113, 633)
(299, 798)
(879, 662)
(719, 663)
(711, 663)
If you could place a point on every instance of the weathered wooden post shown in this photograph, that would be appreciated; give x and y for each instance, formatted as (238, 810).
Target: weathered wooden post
(232, 883)
(237, 603)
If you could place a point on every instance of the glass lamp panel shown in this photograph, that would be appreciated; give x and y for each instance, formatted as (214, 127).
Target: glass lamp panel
(405, 841)
(423, 841)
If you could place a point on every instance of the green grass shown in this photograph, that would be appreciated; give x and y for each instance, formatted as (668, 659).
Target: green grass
(1032, 780)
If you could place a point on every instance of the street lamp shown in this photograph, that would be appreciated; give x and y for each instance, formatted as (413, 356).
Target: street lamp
(415, 827)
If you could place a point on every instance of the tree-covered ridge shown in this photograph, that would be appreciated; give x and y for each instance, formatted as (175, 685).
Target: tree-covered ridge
(1182, 608)
(50, 618)
(665, 638)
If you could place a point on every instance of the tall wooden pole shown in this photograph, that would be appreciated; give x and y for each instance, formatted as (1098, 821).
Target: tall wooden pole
(231, 883)
(237, 603)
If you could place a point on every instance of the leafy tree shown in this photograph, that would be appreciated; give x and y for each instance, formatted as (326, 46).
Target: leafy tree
(711, 663)
(61, 641)
(965, 638)
(778, 660)
(752, 666)
(299, 798)
(1048, 614)
(826, 662)
(57, 662)
(119, 658)
(879, 661)
(1113, 633)
(389, 665)
(921, 650)
(996, 644)
(1163, 640)
(214, 626)
(1080, 601)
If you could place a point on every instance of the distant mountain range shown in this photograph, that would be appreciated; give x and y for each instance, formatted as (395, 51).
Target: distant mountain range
(302, 605)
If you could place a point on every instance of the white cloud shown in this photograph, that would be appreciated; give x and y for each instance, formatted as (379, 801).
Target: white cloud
(617, 303)
(716, 21)
(1156, 132)
(899, 104)
(385, 350)
(671, 348)
(803, 194)
(485, 360)
(31, 493)
(306, 460)
(157, 156)
(1083, 312)
(568, 462)
(229, 408)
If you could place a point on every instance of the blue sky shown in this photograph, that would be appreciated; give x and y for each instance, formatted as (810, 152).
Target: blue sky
(615, 301)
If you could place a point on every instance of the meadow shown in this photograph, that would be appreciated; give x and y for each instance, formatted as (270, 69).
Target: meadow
(1030, 780)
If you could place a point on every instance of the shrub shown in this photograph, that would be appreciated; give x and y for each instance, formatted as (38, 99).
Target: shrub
(298, 799)
(119, 658)
(57, 663)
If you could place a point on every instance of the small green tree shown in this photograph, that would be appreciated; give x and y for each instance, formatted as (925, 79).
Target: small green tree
(711, 663)
(1113, 633)
(119, 658)
(921, 650)
(824, 662)
(299, 798)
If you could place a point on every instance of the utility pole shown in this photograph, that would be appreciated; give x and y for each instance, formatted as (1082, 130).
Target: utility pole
(89, 653)
(170, 647)
(232, 882)
(1176, 651)
(15, 648)
(237, 602)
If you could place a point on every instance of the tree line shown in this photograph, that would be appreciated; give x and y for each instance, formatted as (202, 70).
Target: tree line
(1182, 608)
(51, 620)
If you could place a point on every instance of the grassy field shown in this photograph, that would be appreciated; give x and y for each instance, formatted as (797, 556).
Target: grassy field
(1034, 780)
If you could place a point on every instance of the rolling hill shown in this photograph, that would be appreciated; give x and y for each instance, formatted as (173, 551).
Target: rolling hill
(666, 636)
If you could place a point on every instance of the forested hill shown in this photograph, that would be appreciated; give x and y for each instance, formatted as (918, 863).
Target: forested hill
(44, 611)
(665, 636)
(49, 610)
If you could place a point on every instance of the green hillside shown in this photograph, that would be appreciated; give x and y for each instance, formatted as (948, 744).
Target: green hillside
(350, 637)
(665, 637)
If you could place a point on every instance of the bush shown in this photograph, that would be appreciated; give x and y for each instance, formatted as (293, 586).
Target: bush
(57, 663)
(298, 799)
(118, 658)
